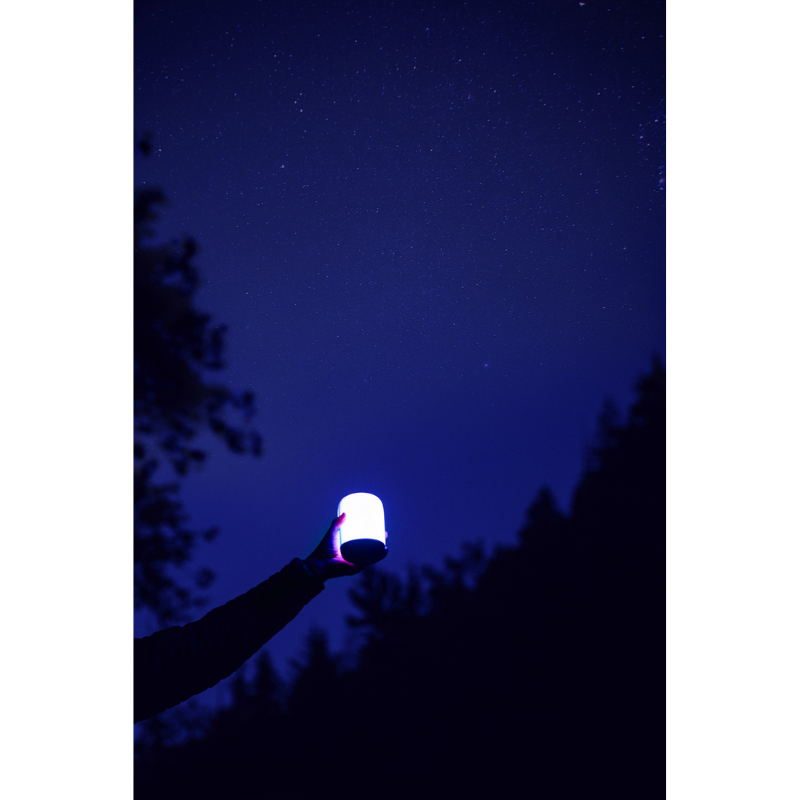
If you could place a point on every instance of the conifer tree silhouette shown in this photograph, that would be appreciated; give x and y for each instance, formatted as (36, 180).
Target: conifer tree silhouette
(536, 671)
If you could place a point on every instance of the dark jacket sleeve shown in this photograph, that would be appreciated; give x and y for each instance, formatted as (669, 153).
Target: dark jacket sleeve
(172, 665)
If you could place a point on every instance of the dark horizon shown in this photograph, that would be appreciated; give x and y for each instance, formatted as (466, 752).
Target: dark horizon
(540, 665)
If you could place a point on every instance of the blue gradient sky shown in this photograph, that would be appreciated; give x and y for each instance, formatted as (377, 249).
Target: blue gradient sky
(437, 236)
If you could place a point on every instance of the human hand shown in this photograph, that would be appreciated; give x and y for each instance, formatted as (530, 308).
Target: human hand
(326, 561)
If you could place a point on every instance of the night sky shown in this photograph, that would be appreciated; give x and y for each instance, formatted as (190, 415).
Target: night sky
(437, 234)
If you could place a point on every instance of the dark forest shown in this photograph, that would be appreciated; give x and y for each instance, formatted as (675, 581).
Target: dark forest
(537, 669)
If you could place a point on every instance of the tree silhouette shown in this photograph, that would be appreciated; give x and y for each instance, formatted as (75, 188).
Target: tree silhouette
(175, 349)
(538, 670)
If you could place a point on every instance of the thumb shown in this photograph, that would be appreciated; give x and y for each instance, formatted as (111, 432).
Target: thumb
(333, 532)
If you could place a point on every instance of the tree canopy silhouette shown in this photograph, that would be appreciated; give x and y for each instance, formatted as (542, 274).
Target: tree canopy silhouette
(536, 670)
(176, 347)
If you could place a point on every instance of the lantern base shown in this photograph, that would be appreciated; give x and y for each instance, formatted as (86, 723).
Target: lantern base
(363, 551)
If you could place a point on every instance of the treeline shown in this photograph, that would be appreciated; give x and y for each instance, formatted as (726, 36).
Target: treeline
(537, 671)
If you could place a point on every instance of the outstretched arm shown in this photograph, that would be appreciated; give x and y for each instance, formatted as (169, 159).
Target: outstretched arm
(174, 664)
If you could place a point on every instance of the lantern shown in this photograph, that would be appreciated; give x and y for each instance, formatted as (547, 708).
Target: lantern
(363, 532)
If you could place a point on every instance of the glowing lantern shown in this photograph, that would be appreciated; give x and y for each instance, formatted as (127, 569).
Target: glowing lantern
(363, 533)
